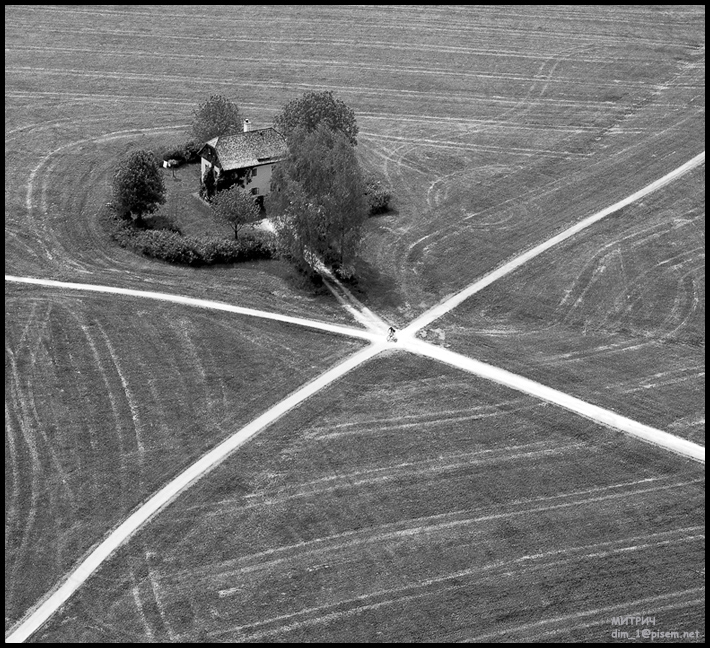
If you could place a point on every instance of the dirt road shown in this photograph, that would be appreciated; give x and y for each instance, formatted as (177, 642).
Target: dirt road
(202, 303)
(588, 410)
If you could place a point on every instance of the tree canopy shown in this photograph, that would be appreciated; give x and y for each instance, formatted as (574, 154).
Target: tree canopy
(315, 108)
(317, 195)
(236, 207)
(138, 186)
(216, 116)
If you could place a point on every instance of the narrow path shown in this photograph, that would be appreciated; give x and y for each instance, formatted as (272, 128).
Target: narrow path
(39, 615)
(346, 299)
(350, 303)
(452, 302)
(202, 303)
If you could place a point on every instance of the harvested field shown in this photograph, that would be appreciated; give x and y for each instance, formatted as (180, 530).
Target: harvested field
(407, 501)
(107, 398)
(615, 315)
(380, 511)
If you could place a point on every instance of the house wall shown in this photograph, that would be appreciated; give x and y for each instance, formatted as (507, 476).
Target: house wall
(262, 181)
(204, 166)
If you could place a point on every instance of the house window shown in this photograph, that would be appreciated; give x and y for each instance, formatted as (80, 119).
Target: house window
(253, 173)
(255, 191)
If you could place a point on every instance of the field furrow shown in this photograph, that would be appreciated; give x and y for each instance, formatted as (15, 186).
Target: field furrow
(104, 402)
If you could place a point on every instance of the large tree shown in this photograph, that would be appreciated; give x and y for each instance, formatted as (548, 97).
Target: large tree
(236, 207)
(138, 186)
(216, 116)
(317, 196)
(315, 108)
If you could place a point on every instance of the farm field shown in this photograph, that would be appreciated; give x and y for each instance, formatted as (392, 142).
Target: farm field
(496, 128)
(107, 398)
(406, 500)
(382, 511)
(615, 315)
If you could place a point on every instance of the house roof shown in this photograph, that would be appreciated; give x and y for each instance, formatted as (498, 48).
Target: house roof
(248, 149)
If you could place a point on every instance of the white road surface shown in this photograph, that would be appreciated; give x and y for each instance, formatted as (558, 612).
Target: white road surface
(593, 412)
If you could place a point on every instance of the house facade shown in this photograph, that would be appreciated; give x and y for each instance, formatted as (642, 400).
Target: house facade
(254, 153)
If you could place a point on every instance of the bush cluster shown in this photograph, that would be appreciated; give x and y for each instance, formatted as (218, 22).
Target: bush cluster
(378, 195)
(172, 247)
(183, 153)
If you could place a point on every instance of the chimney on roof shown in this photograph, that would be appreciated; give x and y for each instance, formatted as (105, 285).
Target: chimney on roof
(247, 125)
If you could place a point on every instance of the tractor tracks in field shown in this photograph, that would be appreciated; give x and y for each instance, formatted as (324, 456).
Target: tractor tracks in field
(38, 615)
(453, 301)
(199, 303)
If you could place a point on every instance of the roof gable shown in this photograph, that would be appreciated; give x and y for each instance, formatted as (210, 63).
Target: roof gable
(249, 149)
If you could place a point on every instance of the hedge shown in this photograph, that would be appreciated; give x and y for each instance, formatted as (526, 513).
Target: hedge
(182, 153)
(173, 247)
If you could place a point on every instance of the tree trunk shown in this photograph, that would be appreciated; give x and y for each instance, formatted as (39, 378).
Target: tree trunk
(342, 245)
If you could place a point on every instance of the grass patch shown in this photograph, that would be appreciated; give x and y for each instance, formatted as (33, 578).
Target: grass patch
(167, 243)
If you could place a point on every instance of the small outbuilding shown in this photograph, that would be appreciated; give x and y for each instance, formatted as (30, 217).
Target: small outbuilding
(247, 157)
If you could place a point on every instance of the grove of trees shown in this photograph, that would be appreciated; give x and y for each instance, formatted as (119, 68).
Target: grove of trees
(138, 187)
(318, 198)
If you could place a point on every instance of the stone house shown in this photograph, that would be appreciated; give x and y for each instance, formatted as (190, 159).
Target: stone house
(249, 156)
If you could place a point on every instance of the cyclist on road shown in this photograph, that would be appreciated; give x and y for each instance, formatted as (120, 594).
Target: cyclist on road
(391, 334)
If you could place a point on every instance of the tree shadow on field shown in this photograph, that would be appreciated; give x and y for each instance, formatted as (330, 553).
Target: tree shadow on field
(390, 211)
(372, 284)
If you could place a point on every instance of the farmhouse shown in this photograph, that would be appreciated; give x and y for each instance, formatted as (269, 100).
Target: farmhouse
(248, 156)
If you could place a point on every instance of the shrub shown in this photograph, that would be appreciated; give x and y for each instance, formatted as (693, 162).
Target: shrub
(190, 149)
(185, 153)
(345, 272)
(160, 222)
(377, 194)
(176, 155)
(167, 246)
